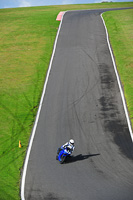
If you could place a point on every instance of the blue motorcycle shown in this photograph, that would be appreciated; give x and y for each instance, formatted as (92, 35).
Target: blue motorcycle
(63, 154)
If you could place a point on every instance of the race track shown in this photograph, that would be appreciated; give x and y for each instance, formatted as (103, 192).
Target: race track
(82, 102)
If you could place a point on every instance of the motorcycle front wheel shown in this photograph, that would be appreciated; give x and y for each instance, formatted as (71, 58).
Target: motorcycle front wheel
(62, 159)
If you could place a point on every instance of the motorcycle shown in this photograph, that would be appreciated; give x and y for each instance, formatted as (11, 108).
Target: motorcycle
(63, 154)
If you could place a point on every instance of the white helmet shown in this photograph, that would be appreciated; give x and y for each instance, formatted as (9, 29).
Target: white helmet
(71, 141)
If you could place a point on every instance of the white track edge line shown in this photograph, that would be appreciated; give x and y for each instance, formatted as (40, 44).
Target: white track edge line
(119, 83)
(38, 114)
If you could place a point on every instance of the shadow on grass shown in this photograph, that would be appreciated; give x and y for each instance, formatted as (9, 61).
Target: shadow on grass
(80, 157)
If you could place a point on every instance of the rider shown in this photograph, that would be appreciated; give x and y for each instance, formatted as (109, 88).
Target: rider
(69, 145)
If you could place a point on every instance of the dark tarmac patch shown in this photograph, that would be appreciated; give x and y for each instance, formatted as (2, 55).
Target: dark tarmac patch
(121, 137)
(52, 196)
(111, 114)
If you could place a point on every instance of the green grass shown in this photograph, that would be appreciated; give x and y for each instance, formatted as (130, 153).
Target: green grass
(25, 49)
(27, 38)
(120, 27)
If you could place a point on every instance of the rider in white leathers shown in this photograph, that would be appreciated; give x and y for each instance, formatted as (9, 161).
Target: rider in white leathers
(69, 144)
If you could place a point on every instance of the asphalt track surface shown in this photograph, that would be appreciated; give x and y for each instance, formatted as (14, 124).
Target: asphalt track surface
(82, 102)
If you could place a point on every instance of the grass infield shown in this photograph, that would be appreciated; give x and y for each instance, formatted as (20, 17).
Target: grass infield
(27, 38)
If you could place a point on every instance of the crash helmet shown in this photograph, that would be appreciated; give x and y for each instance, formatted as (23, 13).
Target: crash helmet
(71, 141)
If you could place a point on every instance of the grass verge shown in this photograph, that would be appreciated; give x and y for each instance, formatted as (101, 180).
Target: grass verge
(27, 37)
